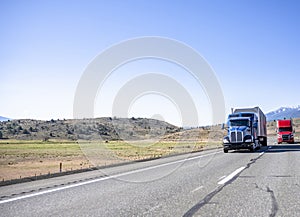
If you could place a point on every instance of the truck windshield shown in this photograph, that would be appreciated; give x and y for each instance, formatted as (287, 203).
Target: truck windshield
(285, 129)
(238, 123)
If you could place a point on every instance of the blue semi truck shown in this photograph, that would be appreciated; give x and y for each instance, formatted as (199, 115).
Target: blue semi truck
(246, 129)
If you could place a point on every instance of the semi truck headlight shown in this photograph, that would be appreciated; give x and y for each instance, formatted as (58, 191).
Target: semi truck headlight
(225, 141)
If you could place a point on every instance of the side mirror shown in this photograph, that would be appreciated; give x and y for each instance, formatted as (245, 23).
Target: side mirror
(224, 127)
(255, 125)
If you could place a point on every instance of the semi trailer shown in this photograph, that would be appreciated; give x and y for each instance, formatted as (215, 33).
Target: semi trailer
(246, 129)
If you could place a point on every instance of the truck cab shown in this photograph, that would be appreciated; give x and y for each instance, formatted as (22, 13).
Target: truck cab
(241, 132)
(285, 132)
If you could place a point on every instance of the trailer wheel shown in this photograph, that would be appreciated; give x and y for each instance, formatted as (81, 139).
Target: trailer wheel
(265, 143)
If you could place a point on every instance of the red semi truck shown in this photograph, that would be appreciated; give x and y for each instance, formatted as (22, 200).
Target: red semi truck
(285, 132)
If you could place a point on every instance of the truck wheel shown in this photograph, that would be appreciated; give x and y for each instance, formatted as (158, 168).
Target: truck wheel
(252, 148)
(265, 142)
(225, 150)
(258, 147)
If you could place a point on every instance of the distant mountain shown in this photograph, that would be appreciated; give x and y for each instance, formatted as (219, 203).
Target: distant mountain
(4, 118)
(284, 112)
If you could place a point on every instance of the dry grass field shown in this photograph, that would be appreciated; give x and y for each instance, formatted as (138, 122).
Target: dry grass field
(30, 158)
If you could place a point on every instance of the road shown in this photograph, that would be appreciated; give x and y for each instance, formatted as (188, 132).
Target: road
(209, 183)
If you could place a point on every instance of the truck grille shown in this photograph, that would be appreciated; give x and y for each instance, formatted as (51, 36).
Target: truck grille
(236, 137)
(285, 137)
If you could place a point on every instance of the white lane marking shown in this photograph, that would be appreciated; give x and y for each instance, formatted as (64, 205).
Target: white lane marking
(260, 154)
(197, 189)
(104, 178)
(231, 176)
(222, 177)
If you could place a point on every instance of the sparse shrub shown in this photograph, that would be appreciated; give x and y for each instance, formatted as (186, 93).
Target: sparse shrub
(46, 139)
(25, 131)
(12, 131)
(104, 134)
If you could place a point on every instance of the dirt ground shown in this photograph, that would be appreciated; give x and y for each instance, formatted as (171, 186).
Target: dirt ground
(19, 159)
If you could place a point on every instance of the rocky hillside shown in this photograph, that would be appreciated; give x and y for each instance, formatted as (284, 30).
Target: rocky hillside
(87, 129)
(199, 134)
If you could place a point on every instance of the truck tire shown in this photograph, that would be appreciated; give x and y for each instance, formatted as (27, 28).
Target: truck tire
(225, 150)
(265, 142)
(256, 145)
(252, 148)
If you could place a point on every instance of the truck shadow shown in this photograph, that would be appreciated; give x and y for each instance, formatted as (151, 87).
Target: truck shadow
(284, 148)
(273, 149)
(245, 151)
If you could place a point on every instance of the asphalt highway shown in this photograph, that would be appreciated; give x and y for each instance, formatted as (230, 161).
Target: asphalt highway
(208, 183)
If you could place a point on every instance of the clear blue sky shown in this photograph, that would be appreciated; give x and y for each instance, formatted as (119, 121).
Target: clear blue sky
(253, 47)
